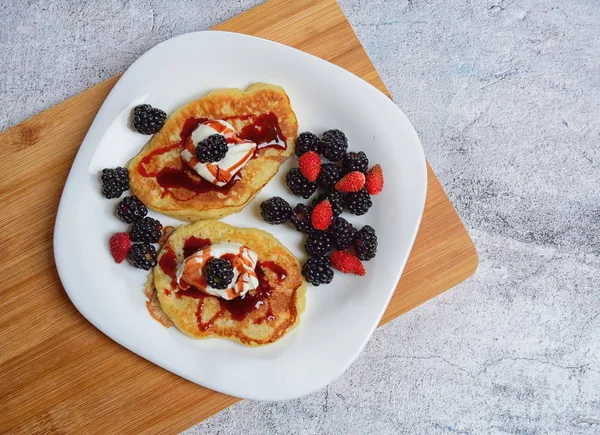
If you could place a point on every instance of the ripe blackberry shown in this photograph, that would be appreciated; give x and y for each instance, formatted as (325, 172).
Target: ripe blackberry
(300, 218)
(358, 203)
(212, 149)
(335, 197)
(298, 184)
(131, 209)
(142, 256)
(317, 270)
(219, 273)
(146, 230)
(342, 233)
(148, 119)
(318, 243)
(365, 243)
(355, 162)
(329, 175)
(114, 182)
(307, 142)
(275, 210)
(334, 145)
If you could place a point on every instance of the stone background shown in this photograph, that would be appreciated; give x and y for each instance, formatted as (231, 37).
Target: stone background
(505, 96)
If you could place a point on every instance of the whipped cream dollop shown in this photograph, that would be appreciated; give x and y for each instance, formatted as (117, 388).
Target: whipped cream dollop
(218, 173)
(243, 260)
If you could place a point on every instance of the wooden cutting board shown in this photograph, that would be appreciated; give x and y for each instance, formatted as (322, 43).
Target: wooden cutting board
(58, 373)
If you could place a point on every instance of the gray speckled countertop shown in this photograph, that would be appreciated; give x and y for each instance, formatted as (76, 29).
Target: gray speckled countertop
(505, 96)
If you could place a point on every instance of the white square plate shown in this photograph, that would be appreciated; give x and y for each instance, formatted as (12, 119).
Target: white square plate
(340, 317)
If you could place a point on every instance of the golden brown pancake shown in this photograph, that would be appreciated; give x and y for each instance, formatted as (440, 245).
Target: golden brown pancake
(263, 316)
(164, 182)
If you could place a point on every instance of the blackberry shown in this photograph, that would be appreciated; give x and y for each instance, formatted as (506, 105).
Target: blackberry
(146, 230)
(334, 145)
(335, 197)
(131, 209)
(342, 233)
(365, 243)
(148, 119)
(114, 182)
(318, 243)
(142, 256)
(275, 210)
(329, 175)
(212, 149)
(300, 218)
(359, 203)
(355, 162)
(219, 273)
(306, 142)
(298, 184)
(317, 270)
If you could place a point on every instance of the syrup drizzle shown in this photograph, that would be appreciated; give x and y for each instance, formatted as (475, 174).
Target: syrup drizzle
(264, 131)
(238, 308)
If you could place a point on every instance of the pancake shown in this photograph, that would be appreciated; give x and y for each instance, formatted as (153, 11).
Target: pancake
(263, 316)
(163, 181)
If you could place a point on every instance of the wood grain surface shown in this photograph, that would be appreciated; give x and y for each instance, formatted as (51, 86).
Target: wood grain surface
(59, 374)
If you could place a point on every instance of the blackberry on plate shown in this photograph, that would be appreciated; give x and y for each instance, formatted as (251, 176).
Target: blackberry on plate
(142, 256)
(365, 243)
(131, 209)
(114, 182)
(329, 175)
(317, 270)
(298, 184)
(318, 243)
(300, 218)
(355, 162)
(336, 199)
(334, 145)
(219, 273)
(212, 149)
(147, 230)
(358, 203)
(148, 119)
(306, 142)
(275, 210)
(342, 233)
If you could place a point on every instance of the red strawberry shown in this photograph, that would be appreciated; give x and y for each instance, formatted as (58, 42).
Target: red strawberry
(374, 180)
(310, 165)
(351, 182)
(322, 215)
(119, 246)
(347, 263)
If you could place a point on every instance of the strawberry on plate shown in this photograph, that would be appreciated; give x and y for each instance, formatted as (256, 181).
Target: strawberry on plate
(374, 180)
(351, 182)
(310, 165)
(119, 246)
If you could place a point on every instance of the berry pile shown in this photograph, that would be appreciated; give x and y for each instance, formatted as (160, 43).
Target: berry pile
(145, 231)
(347, 184)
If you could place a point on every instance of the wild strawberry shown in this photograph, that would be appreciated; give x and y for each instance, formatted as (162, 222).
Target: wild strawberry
(374, 180)
(310, 165)
(351, 182)
(322, 215)
(347, 263)
(119, 246)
